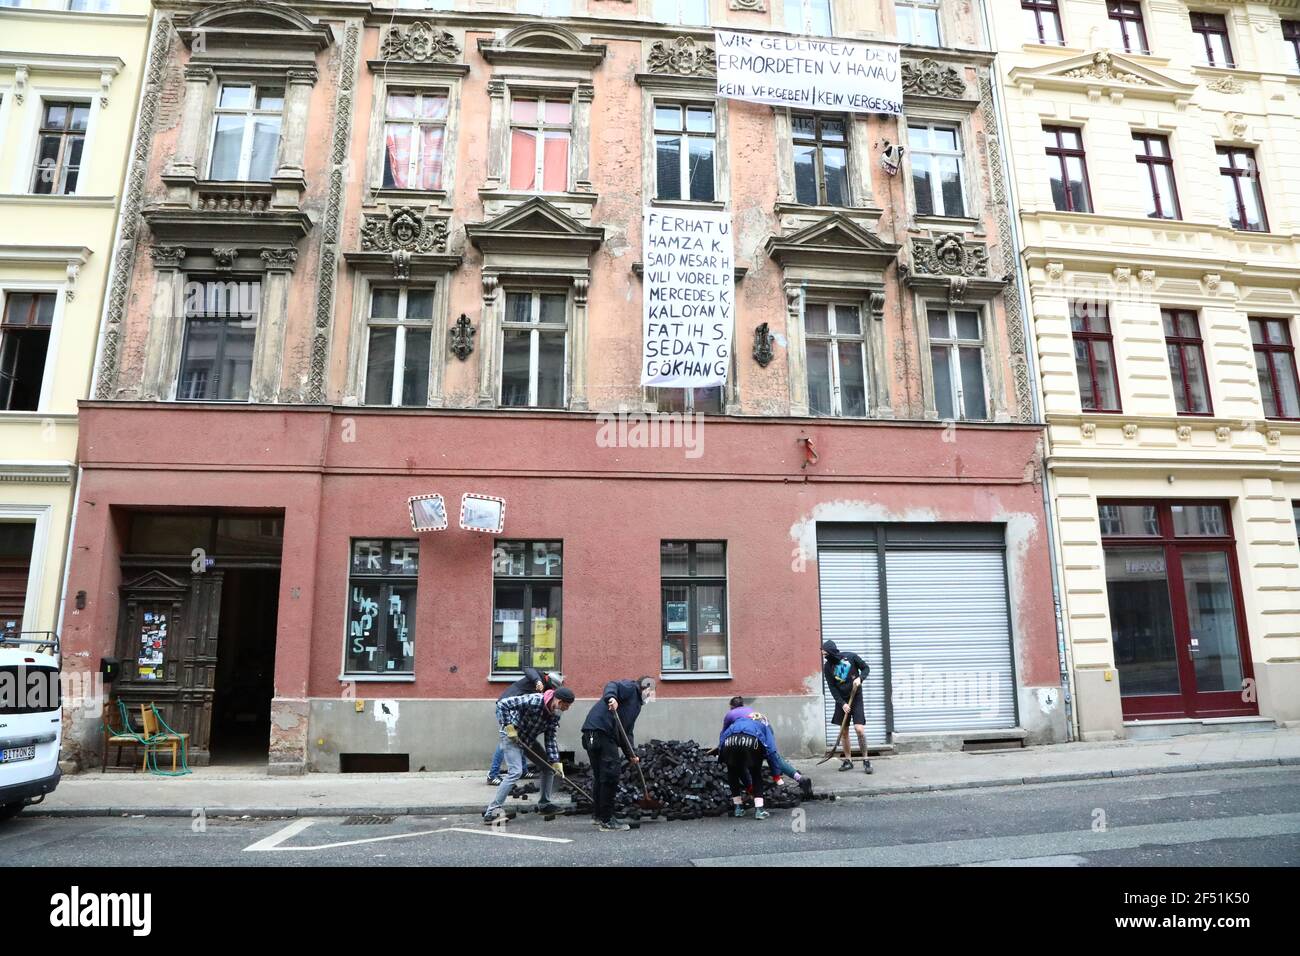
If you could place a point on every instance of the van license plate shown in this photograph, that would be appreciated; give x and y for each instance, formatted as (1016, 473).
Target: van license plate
(17, 753)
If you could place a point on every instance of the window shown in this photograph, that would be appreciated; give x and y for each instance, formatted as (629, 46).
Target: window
(685, 145)
(1134, 521)
(821, 160)
(837, 383)
(397, 354)
(1275, 366)
(703, 400)
(540, 132)
(1127, 17)
(1291, 34)
(694, 588)
(1157, 175)
(526, 605)
(59, 144)
(92, 6)
(534, 340)
(1043, 18)
(808, 16)
(220, 328)
(1213, 30)
(381, 606)
(246, 132)
(1068, 169)
(1239, 174)
(936, 170)
(1094, 356)
(685, 12)
(24, 343)
(918, 22)
(415, 136)
(1186, 361)
(957, 360)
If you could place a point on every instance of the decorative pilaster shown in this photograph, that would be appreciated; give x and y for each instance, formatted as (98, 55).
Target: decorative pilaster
(489, 332)
(582, 134)
(578, 400)
(185, 156)
(272, 320)
(497, 132)
(166, 324)
(794, 353)
(293, 134)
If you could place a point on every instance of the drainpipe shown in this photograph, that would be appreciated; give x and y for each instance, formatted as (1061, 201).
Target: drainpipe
(1063, 654)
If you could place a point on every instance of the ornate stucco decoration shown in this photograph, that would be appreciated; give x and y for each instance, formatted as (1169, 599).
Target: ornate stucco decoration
(1238, 126)
(950, 256)
(279, 259)
(1101, 68)
(1130, 431)
(462, 337)
(1212, 282)
(225, 258)
(759, 6)
(929, 77)
(421, 42)
(404, 229)
(1223, 433)
(1088, 430)
(1225, 84)
(167, 257)
(1274, 436)
(1055, 271)
(683, 57)
(763, 339)
(1184, 432)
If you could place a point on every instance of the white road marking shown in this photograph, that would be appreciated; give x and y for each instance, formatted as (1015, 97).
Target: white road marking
(272, 843)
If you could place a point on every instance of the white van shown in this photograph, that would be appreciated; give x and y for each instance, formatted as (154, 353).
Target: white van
(31, 719)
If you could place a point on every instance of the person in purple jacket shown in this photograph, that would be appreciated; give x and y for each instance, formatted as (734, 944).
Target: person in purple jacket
(742, 746)
(781, 766)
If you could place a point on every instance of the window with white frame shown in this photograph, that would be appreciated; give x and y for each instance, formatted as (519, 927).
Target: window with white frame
(415, 138)
(541, 132)
(821, 159)
(25, 327)
(957, 361)
(246, 132)
(534, 339)
(59, 145)
(937, 169)
(836, 350)
(685, 149)
(808, 16)
(684, 12)
(398, 346)
(918, 22)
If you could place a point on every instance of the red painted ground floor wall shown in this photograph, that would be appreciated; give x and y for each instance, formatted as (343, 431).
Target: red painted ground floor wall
(338, 474)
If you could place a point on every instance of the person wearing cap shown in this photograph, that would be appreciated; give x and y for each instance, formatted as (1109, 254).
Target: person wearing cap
(533, 682)
(521, 720)
(778, 764)
(620, 702)
(844, 673)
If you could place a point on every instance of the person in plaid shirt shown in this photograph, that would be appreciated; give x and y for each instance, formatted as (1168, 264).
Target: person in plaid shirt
(522, 719)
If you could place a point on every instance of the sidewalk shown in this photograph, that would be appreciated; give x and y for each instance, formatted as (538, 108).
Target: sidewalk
(248, 791)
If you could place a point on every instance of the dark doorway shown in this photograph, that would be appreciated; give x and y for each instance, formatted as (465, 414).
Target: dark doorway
(245, 673)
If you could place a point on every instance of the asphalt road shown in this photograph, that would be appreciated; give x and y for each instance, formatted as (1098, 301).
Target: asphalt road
(1224, 818)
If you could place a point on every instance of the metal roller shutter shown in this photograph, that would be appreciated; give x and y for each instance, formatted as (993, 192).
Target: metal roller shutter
(850, 603)
(949, 641)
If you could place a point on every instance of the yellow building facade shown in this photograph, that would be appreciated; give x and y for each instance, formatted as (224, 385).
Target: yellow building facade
(1156, 153)
(70, 73)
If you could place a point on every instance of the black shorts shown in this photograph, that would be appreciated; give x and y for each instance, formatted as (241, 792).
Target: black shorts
(858, 714)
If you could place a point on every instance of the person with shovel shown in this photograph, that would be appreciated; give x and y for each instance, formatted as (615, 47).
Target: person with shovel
(844, 675)
(742, 745)
(608, 728)
(521, 720)
(533, 682)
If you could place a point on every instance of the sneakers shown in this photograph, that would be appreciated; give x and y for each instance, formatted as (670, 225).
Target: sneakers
(494, 781)
(866, 767)
(846, 764)
(547, 807)
(612, 826)
(491, 815)
(761, 814)
(805, 786)
(738, 811)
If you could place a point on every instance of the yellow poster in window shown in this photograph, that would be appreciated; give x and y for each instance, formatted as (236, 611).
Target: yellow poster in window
(544, 632)
(507, 660)
(543, 658)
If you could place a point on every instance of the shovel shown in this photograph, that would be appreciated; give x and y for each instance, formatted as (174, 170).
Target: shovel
(647, 802)
(542, 762)
(844, 730)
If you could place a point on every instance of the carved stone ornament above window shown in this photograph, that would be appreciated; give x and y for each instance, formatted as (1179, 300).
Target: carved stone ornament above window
(759, 6)
(462, 337)
(1225, 84)
(421, 42)
(404, 229)
(950, 256)
(931, 78)
(763, 340)
(1102, 68)
(167, 257)
(683, 57)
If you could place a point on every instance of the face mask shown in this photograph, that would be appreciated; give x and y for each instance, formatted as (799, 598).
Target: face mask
(647, 692)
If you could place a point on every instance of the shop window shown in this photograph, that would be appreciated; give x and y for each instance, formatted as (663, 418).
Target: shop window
(936, 157)
(398, 346)
(1157, 175)
(836, 348)
(694, 589)
(683, 12)
(1043, 21)
(59, 145)
(541, 130)
(1067, 168)
(1242, 192)
(220, 329)
(1186, 361)
(812, 17)
(1130, 31)
(534, 341)
(685, 150)
(1275, 367)
(527, 605)
(918, 22)
(1212, 28)
(381, 606)
(246, 132)
(24, 346)
(1094, 356)
(415, 138)
(957, 361)
(821, 159)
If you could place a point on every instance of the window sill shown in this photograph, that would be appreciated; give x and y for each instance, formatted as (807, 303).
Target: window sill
(376, 679)
(784, 208)
(695, 675)
(1056, 49)
(19, 199)
(688, 204)
(947, 222)
(437, 197)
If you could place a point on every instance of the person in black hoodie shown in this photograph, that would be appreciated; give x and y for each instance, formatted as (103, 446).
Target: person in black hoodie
(844, 672)
(621, 701)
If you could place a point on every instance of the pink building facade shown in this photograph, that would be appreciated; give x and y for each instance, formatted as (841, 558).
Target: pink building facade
(369, 254)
